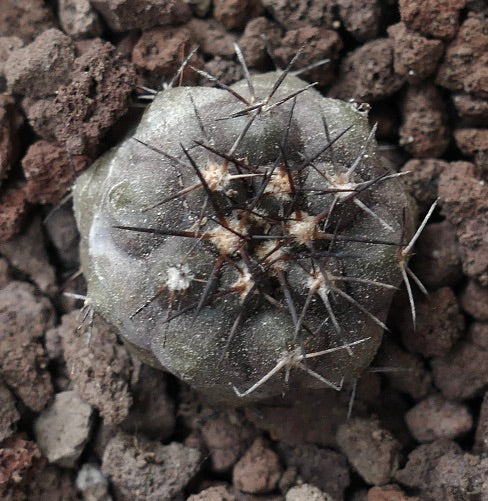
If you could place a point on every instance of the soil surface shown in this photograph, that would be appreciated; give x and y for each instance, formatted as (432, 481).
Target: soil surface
(80, 418)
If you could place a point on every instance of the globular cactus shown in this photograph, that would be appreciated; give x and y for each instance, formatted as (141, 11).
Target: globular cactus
(246, 239)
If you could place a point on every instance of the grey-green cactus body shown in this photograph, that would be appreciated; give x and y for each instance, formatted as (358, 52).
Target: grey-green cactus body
(262, 251)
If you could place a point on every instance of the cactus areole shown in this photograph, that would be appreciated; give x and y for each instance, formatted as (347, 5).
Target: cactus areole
(246, 239)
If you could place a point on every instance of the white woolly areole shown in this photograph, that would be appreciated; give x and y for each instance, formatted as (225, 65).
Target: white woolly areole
(273, 255)
(179, 277)
(226, 241)
(302, 227)
(216, 175)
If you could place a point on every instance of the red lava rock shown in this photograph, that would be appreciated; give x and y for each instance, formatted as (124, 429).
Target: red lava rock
(42, 66)
(153, 411)
(79, 19)
(211, 37)
(434, 18)
(216, 493)
(462, 476)
(252, 44)
(50, 171)
(25, 18)
(226, 437)
(228, 72)
(470, 141)
(437, 258)
(471, 109)
(474, 300)
(62, 429)
(27, 253)
(13, 206)
(360, 18)
(9, 414)
(100, 370)
(411, 377)
(159, 53)
(258, 471)
(323, 468)
(234, 14)
(422, 179)
(19, 459)
(373, 452)
(439, 324)
(435, 417)
(24, 317)
(292, 14)
(481, 438)
(318, 44)
(97, 96)
(462, 373)
(419, 472)
(465, 65)
(306, 492)
(10, 124)
(424, 132)
(311, 417)
(415, 57)
(7, 46)
(390, 492)
(464, 201)
(125, 15)
(367, 73)
(143, 469)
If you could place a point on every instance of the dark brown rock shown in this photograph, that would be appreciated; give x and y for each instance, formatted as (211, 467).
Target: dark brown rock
(439, 324)
(79, 19)
(7, 46)
(99, 367)
(435, 18)
(42, 66)
(367, 73)
(407, 374)
(234, 14)
(423, 178)
(125, 15)
(226, 436)
(435, 417)
(9, 414)
(437, 259)
(228, 72)
(50, 171)
(361, 18)
(25, 18)
(474, 300)
(471, 109)
(27, 253)
(464, 201)
(317, 44)
(139, 468)
(373, 452)
(323, 468)
(24, 318)
(212, 38)
(471, 141)
(463, 373)
(159, 53)
(465, 65)
(258, 471)
(415, 57)
(424, 132)
(252, 44)
(13, 207)
(481, 438)
(293, 14)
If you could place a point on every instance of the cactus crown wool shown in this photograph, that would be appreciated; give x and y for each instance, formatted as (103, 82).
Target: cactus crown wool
(247, 239)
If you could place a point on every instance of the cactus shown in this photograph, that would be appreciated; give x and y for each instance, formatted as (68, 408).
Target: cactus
(247, 239)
